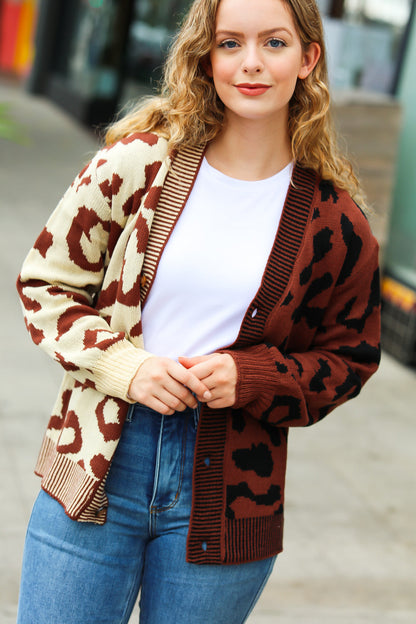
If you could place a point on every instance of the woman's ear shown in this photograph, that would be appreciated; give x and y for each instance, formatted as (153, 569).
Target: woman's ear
(310, 59)
(206, 65)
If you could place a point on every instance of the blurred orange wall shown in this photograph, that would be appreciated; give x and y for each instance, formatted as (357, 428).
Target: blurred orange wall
(17, 26)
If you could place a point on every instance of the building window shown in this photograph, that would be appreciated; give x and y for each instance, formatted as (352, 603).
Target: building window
(92, 61)
(151, 29)
(364, 42)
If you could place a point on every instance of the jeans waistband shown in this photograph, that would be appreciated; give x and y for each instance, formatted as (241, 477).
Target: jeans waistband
(194, 412)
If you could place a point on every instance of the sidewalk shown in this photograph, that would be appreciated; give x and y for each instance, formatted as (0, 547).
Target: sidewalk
(350, 539)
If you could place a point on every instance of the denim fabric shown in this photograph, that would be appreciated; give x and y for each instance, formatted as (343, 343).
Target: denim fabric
(77, 573)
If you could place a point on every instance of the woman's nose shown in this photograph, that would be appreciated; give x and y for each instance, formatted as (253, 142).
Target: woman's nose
(252, 62)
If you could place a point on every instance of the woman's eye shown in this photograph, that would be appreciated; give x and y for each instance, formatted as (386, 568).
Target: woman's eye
(275, 43)
(229, 44)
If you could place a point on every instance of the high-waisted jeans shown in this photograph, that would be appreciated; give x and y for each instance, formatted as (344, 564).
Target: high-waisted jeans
(82, 573)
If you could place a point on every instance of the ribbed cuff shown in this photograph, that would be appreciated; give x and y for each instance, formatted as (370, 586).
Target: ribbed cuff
(116, 368)
(256, 373)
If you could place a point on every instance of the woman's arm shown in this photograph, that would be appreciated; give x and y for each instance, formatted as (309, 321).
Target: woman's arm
(298, 389)
(59, 280)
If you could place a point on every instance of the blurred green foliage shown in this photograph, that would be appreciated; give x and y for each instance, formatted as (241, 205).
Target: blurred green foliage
(9, 130)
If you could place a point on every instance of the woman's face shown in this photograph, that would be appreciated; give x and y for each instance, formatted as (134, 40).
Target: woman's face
(257, 58)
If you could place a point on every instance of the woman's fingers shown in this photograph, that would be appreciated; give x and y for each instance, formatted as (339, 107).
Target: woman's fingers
(159, 406)
(219, 372)
(189, 380)
(166, 386)
(189, 362)
(202, 366)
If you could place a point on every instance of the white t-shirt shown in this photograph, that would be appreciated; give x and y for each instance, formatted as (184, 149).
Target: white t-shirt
(213, 263)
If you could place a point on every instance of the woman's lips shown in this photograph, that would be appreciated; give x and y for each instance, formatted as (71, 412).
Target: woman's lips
(252, 89)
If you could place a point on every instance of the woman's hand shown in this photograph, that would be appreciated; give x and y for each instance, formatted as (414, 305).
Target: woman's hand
(219, 373)
(166, 386)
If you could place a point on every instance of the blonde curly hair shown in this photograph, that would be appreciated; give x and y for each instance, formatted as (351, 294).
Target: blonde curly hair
(188, 111)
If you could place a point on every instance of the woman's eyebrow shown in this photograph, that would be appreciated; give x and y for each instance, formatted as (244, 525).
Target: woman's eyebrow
(263, 33)
(271, 31)
(228, 33)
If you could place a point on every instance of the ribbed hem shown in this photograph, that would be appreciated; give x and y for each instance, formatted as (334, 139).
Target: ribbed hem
(82, 496)
(251, 539)
(116, 368)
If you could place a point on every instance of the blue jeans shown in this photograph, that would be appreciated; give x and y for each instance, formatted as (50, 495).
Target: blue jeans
(82, 573)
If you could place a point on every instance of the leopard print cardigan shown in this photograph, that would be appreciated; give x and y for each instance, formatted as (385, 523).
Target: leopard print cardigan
(308, 341)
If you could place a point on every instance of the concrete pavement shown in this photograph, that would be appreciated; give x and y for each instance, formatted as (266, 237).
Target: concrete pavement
(350, 540)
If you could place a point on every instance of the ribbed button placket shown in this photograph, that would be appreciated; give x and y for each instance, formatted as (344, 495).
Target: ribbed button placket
(207, 464)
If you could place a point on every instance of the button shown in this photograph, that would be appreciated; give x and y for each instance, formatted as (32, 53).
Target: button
(204, 546)
(143, 280)
(254, 313)
(207, 462)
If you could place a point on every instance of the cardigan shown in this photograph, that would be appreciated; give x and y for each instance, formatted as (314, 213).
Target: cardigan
(308, 342)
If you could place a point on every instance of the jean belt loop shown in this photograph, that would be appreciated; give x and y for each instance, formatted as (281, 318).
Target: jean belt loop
(129, 416)
(197, 411)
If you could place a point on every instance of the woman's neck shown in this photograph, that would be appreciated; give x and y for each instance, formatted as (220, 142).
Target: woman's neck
(250, 151)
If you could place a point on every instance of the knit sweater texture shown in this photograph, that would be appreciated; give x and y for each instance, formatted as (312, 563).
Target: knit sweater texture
(308, 341)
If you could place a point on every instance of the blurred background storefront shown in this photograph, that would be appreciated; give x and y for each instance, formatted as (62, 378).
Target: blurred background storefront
(92, 57)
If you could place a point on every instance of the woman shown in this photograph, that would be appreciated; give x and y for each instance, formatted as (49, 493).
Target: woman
(206, 282)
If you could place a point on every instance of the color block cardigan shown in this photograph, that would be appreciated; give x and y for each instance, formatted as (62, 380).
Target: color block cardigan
(308, 341)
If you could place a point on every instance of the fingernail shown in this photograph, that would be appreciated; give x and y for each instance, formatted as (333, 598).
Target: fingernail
(207, 395)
